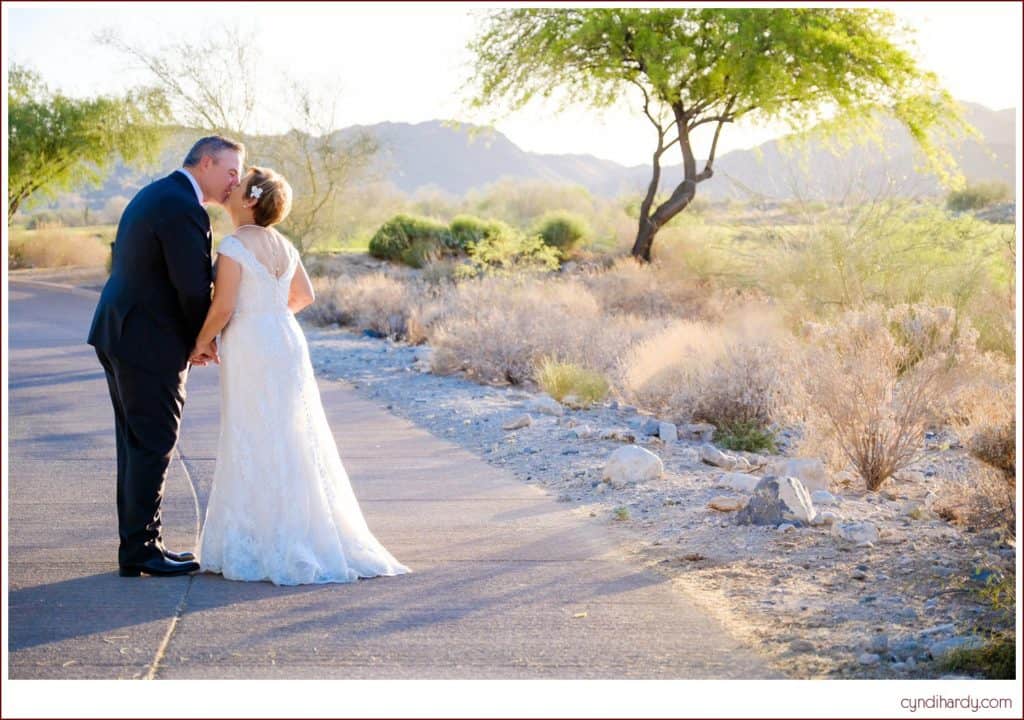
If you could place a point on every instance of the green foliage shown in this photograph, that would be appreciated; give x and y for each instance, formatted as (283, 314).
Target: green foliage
(996, 659)
(621, 513)
(889, 253)
(976, 197)
(508, 252)
(468, 229)
(563, 230)
(57, 143)
(563, 379)
(397, 236)
(713, 66)
(746, 436)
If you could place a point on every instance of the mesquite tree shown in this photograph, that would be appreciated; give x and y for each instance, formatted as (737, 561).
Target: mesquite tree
(699, 67)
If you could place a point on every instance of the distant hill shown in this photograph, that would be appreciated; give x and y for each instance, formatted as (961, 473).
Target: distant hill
(458, 158)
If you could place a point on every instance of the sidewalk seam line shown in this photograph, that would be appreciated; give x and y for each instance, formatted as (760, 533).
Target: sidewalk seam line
(179, 611)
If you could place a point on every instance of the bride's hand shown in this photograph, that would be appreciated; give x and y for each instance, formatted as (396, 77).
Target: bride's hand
(203, 354)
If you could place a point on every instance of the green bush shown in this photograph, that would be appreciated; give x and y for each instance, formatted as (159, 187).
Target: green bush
(466, 230)
(506, 251)
(976, 197)
(395, 237)
(563, 230)
(746, 436)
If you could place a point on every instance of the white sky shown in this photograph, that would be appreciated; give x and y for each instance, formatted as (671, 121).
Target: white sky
(407, 63)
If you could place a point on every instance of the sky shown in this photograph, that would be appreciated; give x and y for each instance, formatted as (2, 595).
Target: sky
(409, 63)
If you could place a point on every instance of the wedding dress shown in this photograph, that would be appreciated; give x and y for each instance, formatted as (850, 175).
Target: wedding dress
(281, 507)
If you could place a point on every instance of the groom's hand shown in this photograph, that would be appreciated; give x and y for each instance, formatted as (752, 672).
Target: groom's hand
(202, 355)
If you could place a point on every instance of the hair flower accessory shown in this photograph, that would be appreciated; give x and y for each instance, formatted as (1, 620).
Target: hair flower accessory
(255, 192)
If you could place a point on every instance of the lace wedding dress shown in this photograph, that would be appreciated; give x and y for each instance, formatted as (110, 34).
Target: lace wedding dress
(281, 507)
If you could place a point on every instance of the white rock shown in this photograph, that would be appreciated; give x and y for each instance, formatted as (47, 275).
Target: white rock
(632, 464)
(713, 456)
(810, 471)
(826, 517)
(547, 405)
(941, 649)
(741, 464)
(793, 493)
(786, 527)
(740, 482)
(869, 659)
(520, 422)
(856, 532)
(824, 497)
(583, 432)
(689, 456)
(699, 431)
(724, 503)
(668, 431)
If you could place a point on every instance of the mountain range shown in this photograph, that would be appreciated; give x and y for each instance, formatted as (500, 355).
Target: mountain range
(457, 158)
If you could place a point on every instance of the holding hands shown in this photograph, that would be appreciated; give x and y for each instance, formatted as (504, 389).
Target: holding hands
(204, 353)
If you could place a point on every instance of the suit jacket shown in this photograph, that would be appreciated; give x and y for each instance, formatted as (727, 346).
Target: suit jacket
(158, 293)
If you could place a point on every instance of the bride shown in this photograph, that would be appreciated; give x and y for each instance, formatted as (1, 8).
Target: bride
(281, 508)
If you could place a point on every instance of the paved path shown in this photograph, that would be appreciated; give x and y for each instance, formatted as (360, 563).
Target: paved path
(500, 569)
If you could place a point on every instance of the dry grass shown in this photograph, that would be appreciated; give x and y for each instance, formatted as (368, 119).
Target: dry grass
(57, 246)
(564, 380)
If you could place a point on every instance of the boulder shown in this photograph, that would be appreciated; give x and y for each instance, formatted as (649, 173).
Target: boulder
(810, 471)
(520, 422)
(778, 500)
(741, 482)
(546, 405)
(857, 533)
(632, 464)
(725, 503)
(704, 432)
(668, 431)
(713, 456)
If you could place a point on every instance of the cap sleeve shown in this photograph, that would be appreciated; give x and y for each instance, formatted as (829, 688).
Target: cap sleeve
(232, 247)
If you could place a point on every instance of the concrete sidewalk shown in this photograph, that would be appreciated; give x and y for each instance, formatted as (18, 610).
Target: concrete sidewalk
(501, 571)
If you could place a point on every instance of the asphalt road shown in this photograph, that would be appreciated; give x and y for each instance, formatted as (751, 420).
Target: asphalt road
(506, 582)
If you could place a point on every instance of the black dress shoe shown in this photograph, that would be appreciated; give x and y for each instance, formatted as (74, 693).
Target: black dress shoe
(158, 566)
(179, 556)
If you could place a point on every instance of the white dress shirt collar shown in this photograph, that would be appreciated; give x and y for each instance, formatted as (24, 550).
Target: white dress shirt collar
(195, 185)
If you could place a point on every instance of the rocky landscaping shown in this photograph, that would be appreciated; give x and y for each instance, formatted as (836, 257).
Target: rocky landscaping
(827, 579)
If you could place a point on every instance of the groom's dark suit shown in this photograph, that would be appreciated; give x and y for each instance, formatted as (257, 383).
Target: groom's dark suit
(145, 326)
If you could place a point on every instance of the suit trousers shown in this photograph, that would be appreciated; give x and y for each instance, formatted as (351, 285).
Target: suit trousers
(147, 418)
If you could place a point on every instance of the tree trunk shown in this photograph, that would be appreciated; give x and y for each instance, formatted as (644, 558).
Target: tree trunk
(644, 241)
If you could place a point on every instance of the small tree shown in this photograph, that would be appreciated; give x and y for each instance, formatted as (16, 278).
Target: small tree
(216, 85)
(56, 142)
(698, 67)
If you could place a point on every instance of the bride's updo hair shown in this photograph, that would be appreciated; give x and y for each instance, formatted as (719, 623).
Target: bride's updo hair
(275, 196)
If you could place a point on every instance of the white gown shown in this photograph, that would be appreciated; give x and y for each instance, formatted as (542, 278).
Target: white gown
(281, 507)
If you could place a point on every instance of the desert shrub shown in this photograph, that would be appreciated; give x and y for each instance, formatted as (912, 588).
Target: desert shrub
(747, 436)
(563, 230)
(504, 341)
(978, 196)
(505, 251)
(467, 229)
(564, 379)
(57, 246)
(870, 394)
(731, 374)
(656, 289)
(375, 302)
(396, 236)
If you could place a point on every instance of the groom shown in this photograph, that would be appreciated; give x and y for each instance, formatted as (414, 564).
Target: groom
(146, 323)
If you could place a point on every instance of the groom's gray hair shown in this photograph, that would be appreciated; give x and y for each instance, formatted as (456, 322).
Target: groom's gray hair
(211, 145)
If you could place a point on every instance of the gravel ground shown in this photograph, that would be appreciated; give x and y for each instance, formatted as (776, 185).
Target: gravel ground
(820, 606)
